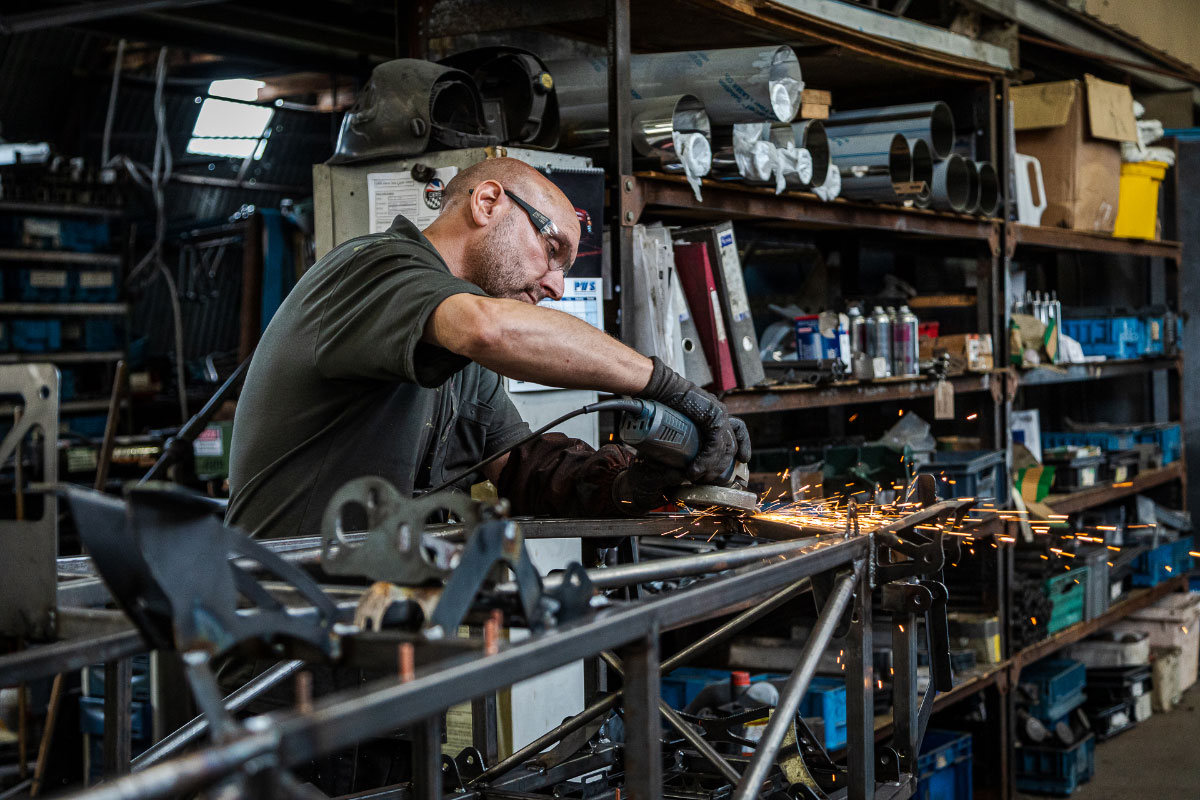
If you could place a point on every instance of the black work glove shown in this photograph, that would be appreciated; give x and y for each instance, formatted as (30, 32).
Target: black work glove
(644, 486)
(722, 438)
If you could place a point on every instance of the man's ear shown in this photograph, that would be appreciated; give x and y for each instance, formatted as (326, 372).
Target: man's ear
(484, 201)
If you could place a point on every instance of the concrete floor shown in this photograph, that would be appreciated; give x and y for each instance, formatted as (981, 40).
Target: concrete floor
(1157, 760)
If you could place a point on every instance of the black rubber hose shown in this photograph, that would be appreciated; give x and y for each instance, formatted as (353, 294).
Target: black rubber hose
(620, 404)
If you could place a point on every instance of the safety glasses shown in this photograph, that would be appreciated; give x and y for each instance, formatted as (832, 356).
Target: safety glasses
(557, 250)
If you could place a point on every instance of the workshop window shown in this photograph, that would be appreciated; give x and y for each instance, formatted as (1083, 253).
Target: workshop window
(228, 125)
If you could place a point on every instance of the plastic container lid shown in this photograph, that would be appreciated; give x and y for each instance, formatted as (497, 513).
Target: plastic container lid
(739, 679)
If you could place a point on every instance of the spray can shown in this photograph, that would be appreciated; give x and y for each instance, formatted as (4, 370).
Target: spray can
(879, 341)
(856, 324)
(905, 354)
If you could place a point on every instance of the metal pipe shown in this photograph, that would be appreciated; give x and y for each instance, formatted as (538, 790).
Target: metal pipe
(972, 206)
(951, 185)
(811, 135)
(871, 165)
(989, 188)
(743, 84)
(932, 122)
(922, 161)
(680, 567)
(236, 701)
(685, 655)
(793, 692)
(658, 124)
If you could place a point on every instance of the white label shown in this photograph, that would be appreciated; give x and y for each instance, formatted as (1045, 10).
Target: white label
(396, 193)
(48, 278)
(747, 345)
(95, 280)
(718, 318)
(583, 298)
(208, 443)
(36, 228)
(943, 400)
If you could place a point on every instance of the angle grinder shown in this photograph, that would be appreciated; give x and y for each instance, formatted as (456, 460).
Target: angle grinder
(662, 434)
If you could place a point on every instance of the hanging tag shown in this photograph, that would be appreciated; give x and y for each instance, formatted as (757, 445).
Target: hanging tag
(943, 400)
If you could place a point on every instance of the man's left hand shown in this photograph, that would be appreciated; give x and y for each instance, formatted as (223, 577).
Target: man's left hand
(644, 486)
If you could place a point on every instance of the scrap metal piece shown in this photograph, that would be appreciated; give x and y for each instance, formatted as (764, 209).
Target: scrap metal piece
(30, 545)
(717, 497)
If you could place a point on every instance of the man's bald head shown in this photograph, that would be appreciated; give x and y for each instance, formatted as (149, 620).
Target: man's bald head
(490, 240)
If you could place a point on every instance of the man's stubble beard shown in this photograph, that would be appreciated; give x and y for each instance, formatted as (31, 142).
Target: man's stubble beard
(495, 266)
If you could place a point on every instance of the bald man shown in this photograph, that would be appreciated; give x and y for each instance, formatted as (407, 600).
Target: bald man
(386, 359)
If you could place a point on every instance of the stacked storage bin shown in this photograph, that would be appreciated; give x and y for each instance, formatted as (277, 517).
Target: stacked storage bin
(1173, 627)
(1052, 692)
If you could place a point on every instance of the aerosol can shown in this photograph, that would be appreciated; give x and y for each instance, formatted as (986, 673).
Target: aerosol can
(905, 355)
(879, 342)
(856, 325)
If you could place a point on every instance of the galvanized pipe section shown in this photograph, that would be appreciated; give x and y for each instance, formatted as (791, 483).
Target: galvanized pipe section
(972, 206)
(797, 684)
(658, 123)
(932, 122)
(951, 184)
(235, 702)
(989, 188)
(744, 84)
(871, 165)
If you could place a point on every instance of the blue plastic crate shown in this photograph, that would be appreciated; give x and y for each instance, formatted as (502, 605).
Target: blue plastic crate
(1114, 337)
(1169, 438)
(681, 686)
(66, 384)
(4, 340)
(94, 286)
(1054, 686)
(1068, 598)
(91, 717)
(91, 425)
(99, 334)
(826, 698)
(1052, 770)
(1168, 560)
(944, 767)
(35, 335)
(1105, 440)
(89, 236)
(974, 473)
(42, 285)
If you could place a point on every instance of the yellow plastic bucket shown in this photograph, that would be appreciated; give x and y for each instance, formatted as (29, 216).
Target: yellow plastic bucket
(1137, 213)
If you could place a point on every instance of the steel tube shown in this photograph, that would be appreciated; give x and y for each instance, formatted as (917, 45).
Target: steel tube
(871, 165)
(989, 188)
(951, 185)
(931, 122)
(922, 161)
(972, 206)
(236, 701)
(744, 84)
(657, 123)
(685, 655)
(793, 692)
(812, 136)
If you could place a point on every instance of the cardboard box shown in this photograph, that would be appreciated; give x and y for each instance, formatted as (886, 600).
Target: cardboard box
(969, 352)
(814, 111)
(819, 97)
(1074, 128)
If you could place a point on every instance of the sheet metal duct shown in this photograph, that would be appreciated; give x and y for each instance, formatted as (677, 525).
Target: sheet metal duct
(658, 124)
(951, 184)
(989, 188)
(809, 135)
(871, 165)
(519, 104)
(745, 84)
(932, 122)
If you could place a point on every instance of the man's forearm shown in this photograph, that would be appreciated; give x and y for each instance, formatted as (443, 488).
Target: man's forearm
(537, 344)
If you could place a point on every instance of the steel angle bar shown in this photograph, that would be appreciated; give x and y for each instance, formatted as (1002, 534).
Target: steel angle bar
(793, 692)
(744, 84)
(46, 660)
(932, 122)
(871, 164)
